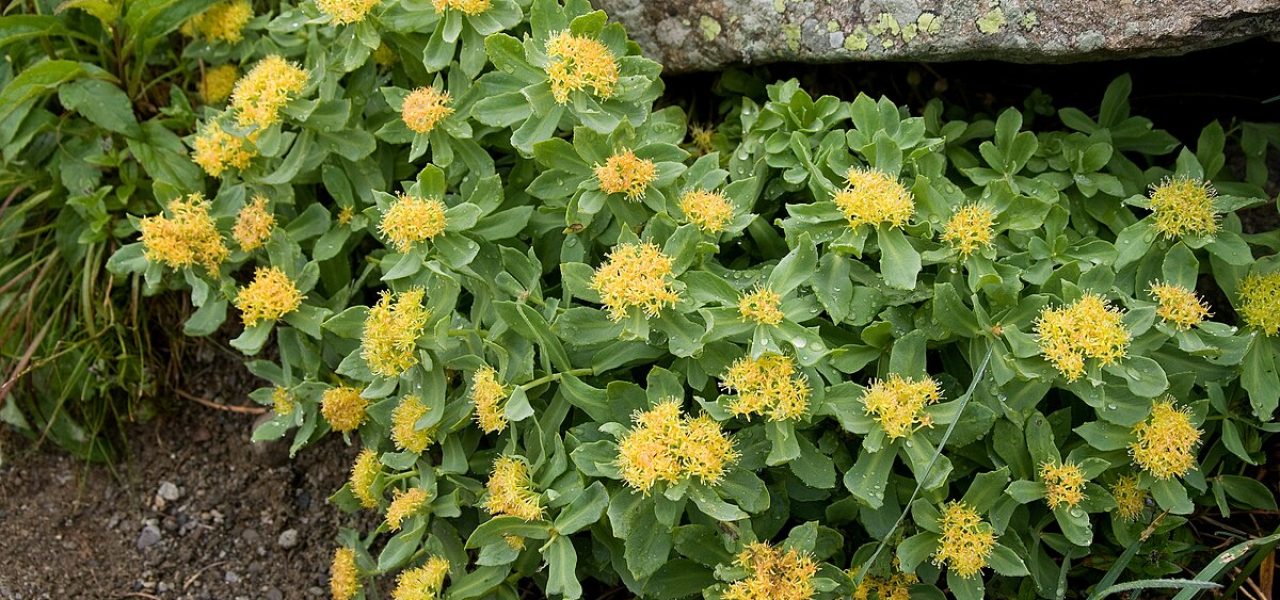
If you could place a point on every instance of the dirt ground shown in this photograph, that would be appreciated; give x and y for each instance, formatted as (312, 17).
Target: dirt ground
(195, 511)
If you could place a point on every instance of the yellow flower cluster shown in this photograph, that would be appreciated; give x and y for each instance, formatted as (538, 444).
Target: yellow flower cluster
(216, 150)
(344, 582)
(775, 574)
(282, 401)
(894, 587)
(343, 408)
(1260, 302)
(668, 446)
(967, 541)
(511, 490)
(1179, 306)
(424, 108)
(422, 583)
(489, 396)
(342, 12)
(635, 275)
(710, 211)
(268, 297)
(364, 473)
(217, 83)
(412, 219)
(260, 95)
(770, 385)
(223, 22)
(383, 55)
(186, 238)
(253, 225)
(405, 504)
(970, 229)
(762, 305)
(346, 214)
(389, 342)
(873, 197)
(1063, 484)
(625, 173)
(470, 8)
(898, 403)
(1087, 328)
(576, 63)
(1165, 442)
(404, 431)
(1182, 206)
(1130, 499)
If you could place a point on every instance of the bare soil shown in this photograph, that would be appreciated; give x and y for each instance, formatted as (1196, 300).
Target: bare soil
(194, 511)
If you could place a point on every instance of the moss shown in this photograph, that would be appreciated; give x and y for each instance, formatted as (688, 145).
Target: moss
(1030, 20)
(792, 34)
(833, 26)
(780, 6)
(992, 21)
(856, 41)
(929, 23)
(885, 24)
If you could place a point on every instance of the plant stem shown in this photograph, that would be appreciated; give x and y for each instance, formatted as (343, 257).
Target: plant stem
(556, 377)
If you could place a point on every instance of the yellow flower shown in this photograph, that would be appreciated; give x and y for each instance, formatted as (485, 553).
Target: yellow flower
(775, 575)
(343, 408)
(405, 504)
(511, 490)
(253, 225)
(223, 21)
(970, 229)
(490, 398)
(898, 404)
(270, 296)
(1166, 441)
(215, 150)
(346, 214)
(710, 211)
(344, 582)
(667, 446)
(389, 342)
(894, 587)
(873, 197)
(424, 108)
(470, 8)
(1063, 484)
(1182, 206)
(762, 306)
(1260, 302)
(384, 56)
(217, 82)
(260, 95)
(282, 401)
(1178, 306)
(576, 63)
(635, 275)
(703, 138)
(967, 540)
(342, 12)
(404, 419)
(1130, 499)
(422, 583)
(187, 238)
(412, 219)
(364, 473)
(625, 173)
(770, 385)
(1087, 328)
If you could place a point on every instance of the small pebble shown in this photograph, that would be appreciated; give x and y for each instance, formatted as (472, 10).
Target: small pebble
(288, 538)
(149, 536)
(169, 491)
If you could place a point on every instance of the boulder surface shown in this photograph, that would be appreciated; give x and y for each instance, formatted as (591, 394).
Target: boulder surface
(698, 35)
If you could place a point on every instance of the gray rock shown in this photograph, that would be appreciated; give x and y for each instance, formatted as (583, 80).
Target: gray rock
(288, 538)
(168, 491)
(149, 536)
(710, 34)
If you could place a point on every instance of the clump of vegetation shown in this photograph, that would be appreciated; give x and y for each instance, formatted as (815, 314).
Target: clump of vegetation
(819, 348)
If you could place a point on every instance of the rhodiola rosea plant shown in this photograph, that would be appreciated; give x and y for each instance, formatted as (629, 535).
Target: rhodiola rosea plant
(861, 353)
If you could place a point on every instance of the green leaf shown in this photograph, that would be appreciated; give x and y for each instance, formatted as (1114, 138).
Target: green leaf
(102, 103)
(899, 261)
(1007, 562)
(647, 543)
(562, 574)
(496, 529)
(530, 323)
(400, 547)
(869, 476)
(585, 510)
